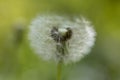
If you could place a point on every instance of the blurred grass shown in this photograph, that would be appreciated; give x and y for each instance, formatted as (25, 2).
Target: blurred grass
(20, 63)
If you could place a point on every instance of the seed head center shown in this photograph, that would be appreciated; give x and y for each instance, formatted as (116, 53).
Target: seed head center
(61, 34)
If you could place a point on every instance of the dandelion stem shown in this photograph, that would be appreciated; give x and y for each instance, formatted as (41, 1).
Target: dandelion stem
(59, 70)
(62, 50)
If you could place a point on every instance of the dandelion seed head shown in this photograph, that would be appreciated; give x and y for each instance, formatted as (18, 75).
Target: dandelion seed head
(48, 31)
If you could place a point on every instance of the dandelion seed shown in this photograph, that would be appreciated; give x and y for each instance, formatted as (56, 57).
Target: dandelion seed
(60, 38)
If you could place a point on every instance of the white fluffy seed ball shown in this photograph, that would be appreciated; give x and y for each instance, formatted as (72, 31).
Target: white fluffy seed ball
(79, 45)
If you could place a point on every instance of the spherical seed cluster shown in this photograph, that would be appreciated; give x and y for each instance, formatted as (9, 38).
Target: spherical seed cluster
(48, 31)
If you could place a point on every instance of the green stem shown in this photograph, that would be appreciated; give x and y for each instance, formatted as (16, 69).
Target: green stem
(59, 70)
(62, 50)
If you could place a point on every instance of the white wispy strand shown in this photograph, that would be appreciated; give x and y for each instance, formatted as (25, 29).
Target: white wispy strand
(79, 45)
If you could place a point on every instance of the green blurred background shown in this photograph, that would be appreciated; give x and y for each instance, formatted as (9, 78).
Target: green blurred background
(18, 61)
